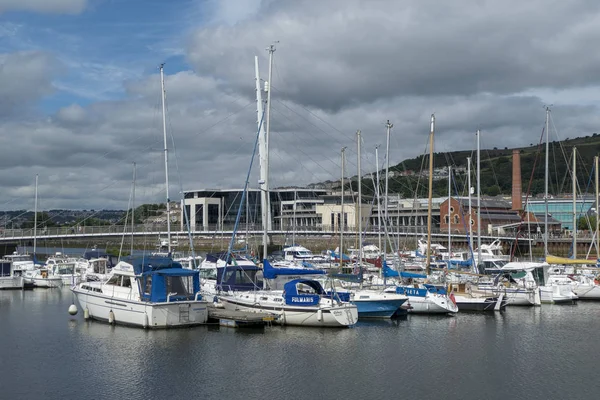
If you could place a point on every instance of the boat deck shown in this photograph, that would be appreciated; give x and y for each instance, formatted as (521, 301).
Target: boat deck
(239, 319)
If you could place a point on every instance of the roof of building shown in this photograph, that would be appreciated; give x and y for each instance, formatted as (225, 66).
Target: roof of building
(485, 203)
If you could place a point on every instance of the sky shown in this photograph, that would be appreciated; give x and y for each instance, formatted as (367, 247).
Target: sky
(80, 98)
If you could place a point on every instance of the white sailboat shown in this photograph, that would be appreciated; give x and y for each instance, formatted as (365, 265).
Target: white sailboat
(40, 277)
(422, 298)
(302, 302)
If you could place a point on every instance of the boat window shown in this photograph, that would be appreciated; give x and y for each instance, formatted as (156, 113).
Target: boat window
(208, 273)
(65, 269)
(114, 280)
(148, 285)
(126, 281)
(178, 284)
(264, 298)
(5, 269)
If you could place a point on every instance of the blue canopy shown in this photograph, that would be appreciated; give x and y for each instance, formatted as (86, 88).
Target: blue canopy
(270, 272)
(176, 272)
(142, 264)
(238, 277)
(461, 263)
(390, 273)
(345, 257)
(293, 297)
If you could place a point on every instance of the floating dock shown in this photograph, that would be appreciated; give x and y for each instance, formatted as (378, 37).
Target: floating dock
(239, 319)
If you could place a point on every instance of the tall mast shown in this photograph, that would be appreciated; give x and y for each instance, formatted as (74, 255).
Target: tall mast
(478, 197)
(470, 210)
(546, 184)
(341, 252)
(294, 225)
(271, 50)
(388, 127)
(262, 145)
(430, 201)
(35, 216)
(449, 215)
(132, 209)
(597, 211)
(359, 204)
(164, 118)
(378, 199)
(574, 202)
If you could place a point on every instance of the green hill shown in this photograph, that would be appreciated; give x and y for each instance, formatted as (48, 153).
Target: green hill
(496, 170)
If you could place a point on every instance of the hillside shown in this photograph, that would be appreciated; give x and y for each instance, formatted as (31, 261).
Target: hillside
(496, 170)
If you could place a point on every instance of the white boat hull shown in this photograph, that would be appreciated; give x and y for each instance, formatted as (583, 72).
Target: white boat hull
(522, 297)
(11, 282)
(431, 305)
(337, 316)
(142, 314)
(556, 294)
(589, 292)
(51, 282)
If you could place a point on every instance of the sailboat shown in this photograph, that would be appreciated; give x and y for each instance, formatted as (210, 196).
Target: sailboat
(148, 292)
(466, 294)
(40, 277)
(584, 286)
(422, 297)
(301, 301)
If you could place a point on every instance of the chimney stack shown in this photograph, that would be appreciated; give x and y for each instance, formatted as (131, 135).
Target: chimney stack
(517, 200)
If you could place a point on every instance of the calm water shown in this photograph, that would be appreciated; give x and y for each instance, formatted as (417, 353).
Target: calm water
(525, 353)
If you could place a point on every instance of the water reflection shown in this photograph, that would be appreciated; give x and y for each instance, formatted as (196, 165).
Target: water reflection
(534, 353)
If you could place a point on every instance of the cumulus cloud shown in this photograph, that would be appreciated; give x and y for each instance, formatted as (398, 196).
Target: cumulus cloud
(44, 6)
(24, 77)
(340, 66)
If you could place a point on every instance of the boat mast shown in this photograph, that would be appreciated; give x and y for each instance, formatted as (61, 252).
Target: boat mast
(546, 184)
(359, 204)
(388, 127)
(378, 199)
(294, 223)
(449, 215)
(35, 215)
(132, 208)
(470, 210)
(574, 202)
(164, 118)
(597, 211)
(262, 146)
(271, 50)
(341, 250)
(478, 198)
(429, 204)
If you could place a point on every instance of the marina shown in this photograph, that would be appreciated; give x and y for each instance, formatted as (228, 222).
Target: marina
(534, 353)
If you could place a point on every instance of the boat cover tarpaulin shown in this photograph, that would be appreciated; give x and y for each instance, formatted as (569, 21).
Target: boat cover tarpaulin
(390, 273)
(293, 297)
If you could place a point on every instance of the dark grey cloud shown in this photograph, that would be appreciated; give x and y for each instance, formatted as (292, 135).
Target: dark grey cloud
(338, 53)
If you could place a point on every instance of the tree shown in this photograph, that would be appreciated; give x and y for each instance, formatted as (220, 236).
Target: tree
(493, 190)
(587, 223)
(43, 220)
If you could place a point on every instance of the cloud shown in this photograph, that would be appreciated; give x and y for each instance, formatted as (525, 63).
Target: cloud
(44, 6)
(25, 77)
(340, 66)
(338, 53)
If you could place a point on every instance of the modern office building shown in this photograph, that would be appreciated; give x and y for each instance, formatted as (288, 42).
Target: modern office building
(561, 208)
(217, 209)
